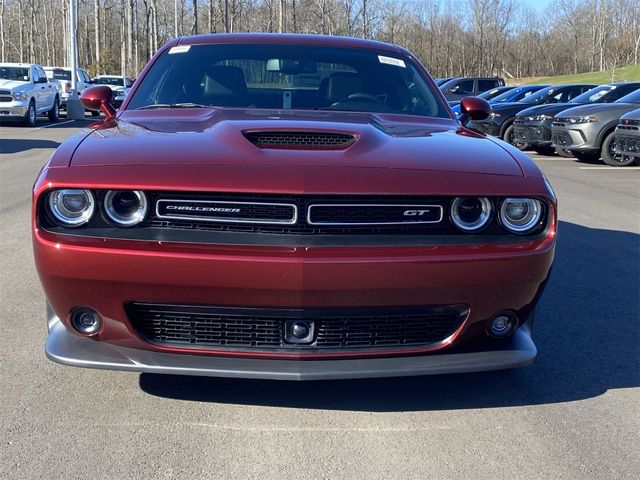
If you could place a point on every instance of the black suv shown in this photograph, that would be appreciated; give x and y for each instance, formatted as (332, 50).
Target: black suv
(457, 88)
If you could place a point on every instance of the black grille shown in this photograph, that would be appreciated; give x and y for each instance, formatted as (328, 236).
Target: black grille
(387, 213)
(300, 139)
(627, 145)
(527, 134)
(5, 96)
(226, 211)
(255, 329)
(561, 139)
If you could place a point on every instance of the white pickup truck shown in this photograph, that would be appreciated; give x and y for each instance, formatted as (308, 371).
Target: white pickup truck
(25, 91)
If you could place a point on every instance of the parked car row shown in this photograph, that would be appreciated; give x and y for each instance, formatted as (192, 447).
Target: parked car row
(28, 90)
(573, 120)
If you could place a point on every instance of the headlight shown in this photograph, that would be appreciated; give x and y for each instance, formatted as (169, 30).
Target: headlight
(575, 120)
(537, 118)
(126, 208)
(21, 95)
(71, 207)
(493, 115)
(471, 214)
(520, 215)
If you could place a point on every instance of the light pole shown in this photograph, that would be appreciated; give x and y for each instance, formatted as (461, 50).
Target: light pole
(175, 11)
(75, 110)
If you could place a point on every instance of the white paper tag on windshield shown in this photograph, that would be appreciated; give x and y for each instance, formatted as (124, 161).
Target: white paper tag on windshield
(391, 61)
(179, 49)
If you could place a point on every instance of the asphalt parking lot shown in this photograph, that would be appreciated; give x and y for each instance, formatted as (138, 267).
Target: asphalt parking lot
(573, 414)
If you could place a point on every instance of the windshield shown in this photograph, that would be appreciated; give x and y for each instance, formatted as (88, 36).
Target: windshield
(115, 81)
(494, 93)
(276, 76)
(633, 97)
(515, 94)
(593, 95)
(540, 95)
(58, 74)
(14, 73)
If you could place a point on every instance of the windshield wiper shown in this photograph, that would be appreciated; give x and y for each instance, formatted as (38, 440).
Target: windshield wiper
(173, 105)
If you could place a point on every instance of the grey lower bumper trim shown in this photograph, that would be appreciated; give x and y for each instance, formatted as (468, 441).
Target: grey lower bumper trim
(67, 348)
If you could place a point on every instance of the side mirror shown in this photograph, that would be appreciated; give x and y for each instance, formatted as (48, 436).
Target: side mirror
(98, 98)
(474, 108)
(42, 80)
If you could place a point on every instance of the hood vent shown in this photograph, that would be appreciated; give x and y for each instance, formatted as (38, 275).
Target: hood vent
(301, 140)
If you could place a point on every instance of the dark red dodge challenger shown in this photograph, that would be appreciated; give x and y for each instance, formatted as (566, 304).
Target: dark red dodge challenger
(290, 207)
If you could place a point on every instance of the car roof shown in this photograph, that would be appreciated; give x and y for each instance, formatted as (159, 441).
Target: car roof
(290, 38)
(13, 64)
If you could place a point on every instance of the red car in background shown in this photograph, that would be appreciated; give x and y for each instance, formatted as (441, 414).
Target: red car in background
(290, 207)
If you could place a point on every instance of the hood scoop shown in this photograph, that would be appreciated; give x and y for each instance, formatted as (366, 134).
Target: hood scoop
(300, 140)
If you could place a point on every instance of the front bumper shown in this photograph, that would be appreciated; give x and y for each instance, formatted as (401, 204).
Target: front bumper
(15, 109)
(627, 141)
(68, 349)
(532, 133)
(581, 137)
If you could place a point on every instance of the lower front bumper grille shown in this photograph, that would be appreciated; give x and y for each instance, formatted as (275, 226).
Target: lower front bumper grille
(561, 139)
(531, 135)
(626, 145)
(263, 330)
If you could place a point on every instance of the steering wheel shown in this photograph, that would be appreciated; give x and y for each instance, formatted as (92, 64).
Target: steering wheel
(359, 97)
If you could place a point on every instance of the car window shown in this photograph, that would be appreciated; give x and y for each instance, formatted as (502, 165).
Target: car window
(593, 95)
(541, 95)
(464, 87)
(276, 76)
(14, 73)
(115, 81)
(619, 91)
(59, 74)
(633, 97)
(484, 85)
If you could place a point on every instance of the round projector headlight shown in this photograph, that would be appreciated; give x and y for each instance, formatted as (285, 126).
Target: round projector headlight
(471, 214)
(520, 215)
(125, 207)
(71, 207)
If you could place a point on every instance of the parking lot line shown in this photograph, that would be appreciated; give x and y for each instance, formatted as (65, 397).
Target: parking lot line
(622, 169)
(54, 124)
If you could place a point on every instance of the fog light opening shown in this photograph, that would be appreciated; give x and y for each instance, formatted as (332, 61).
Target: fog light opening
(85, 321)
(502, 325)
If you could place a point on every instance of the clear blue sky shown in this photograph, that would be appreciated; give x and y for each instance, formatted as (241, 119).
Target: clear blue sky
(537, 4)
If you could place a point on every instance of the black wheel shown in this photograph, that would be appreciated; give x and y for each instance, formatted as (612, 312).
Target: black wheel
(54, 113)
(564, 153)
(609, 155)
(29, 119)
(587, 157)
(545, 150)
(509, 137)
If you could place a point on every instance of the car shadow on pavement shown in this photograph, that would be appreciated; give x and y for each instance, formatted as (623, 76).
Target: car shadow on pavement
(15, 145)
(587, 332)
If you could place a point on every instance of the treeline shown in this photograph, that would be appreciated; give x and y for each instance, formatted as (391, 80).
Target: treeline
(452, 38)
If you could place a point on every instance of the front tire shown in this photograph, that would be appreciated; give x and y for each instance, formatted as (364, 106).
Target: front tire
(510, 138)
(610, 157)
(54, 113)
(29, 119)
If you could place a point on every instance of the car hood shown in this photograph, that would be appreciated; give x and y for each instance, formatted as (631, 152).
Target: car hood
(546, 109)
(606, 109)
(11, 84)
(632, 115)
(208, 136)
